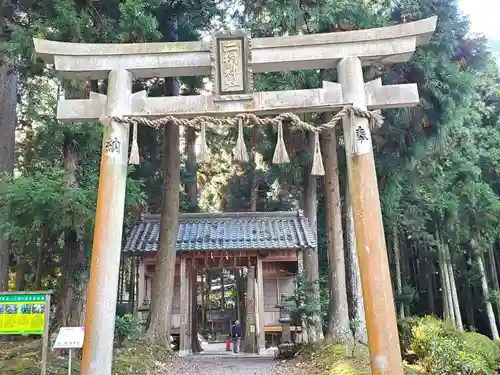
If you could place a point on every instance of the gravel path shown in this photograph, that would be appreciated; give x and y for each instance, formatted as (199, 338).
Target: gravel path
(223, 365)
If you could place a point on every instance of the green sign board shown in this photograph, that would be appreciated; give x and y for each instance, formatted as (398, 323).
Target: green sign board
(22, 314)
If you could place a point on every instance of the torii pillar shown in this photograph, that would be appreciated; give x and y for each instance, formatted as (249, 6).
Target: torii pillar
(376, 283)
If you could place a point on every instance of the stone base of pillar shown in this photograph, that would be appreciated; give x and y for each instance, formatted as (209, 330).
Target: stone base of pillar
(184, 353)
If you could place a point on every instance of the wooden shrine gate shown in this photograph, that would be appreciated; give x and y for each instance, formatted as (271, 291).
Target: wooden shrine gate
(270, 242)
(232, 58)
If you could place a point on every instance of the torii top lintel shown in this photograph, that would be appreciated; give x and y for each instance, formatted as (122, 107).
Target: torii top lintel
(277, 54)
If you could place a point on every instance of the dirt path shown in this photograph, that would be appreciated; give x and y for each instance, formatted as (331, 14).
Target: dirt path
(221, 365)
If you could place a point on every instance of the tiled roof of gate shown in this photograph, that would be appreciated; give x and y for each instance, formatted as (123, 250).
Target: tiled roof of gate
(226, 232)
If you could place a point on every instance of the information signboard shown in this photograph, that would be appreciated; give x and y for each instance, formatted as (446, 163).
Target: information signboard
(22, 314)
(70, 338)
(27, 313)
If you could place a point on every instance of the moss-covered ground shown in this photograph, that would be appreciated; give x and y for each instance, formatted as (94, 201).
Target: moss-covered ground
(134, 358)
(334, 359)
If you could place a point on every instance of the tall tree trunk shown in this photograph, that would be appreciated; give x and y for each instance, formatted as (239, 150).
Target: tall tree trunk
(447, 305)
(453, 287)
(63, 309)
(311, 266)
(486, 293)
(397, 262)
(21, 266)
(338, 314)
(8, 120)
(191, 186)
(69, 280)
(41, 252)
(163, 287)
(448, 293)
(357, 306)
(430, 285)
(494, 275)
(250, 344)
(471, 306)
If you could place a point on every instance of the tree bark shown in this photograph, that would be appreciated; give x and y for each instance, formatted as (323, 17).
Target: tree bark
(69, 280)
(486, 293)
(447, 305)
(311, 267)
(163, 287)
(397, 262)
(447, 281)
(250, 344)
(357, 306)
(8, 120)
(21, 266)
(430, 285)
(63, 308)
(191, 189)
(494, 275)
(338, 314)
(454, 294)
(471, 318)
(191, 186)
(41, 252)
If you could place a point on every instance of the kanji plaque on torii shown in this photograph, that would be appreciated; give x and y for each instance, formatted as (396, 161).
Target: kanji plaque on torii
(231, 58)
(231, 61)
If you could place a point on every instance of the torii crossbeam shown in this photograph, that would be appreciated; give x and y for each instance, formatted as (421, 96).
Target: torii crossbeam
(232, 58)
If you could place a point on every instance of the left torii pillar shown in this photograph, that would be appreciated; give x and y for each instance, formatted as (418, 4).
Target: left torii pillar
(105, 265)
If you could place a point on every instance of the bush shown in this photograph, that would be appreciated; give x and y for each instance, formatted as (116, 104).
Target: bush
(489, 349)
(442, 350)
(126, 326)
(405, 327)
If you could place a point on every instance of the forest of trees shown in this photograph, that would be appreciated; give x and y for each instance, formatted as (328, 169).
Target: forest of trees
(438, 164)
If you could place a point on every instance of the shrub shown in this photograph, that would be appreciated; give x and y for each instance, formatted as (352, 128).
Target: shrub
(442, 350)
(483, 345)
(126, 326)
(405, 327)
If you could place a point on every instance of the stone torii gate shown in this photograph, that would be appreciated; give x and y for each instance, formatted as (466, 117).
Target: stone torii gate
(232, 58)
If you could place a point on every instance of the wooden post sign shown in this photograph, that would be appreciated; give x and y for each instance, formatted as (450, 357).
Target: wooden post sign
(70, 338)
(27, 313)
(231, 58)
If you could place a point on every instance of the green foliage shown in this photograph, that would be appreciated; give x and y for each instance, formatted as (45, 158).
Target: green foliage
(126, 326)
(485, 347)
(442, 350)
(408, 295)
(302, 304)
(405, 331)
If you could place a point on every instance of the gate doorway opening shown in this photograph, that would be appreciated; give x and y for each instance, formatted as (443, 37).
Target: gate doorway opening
(229, 266)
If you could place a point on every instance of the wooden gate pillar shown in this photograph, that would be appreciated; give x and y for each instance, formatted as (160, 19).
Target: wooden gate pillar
(260, 303)
(368, 228)
(105, 264)
(142, 283)
(184, 341)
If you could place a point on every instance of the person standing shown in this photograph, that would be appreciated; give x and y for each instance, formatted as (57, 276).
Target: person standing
(236, 333)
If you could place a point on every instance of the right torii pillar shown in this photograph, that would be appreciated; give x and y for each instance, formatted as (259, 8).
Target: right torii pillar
(369, 230)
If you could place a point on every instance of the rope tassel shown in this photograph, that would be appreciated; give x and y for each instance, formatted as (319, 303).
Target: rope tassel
(280, 153)
(204, 152)
(134, 151)
(318, 168)
(240, 151)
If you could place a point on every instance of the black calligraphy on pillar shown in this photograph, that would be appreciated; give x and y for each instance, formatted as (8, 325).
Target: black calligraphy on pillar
(361, 135)
(112, 145)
